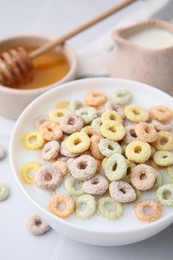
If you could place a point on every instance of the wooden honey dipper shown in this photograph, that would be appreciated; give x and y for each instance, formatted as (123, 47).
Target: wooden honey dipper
(16, 64)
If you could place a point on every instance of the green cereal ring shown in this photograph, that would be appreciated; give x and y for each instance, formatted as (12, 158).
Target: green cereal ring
(27, 172)
(158, 182)
(111, 115)
(73, 186)
(164, 141)
(121, 97)
(138, 151)
(112, 131)
(136, 114)
(89, 204)
(96, 124)
(4, 191)
(163, 158)
(108, 147)
(108, 208)
(169, 172)
(165, 194)
(87, 114)
(74, 105)
(115, 167)
(33, 141)
(57, 114)
(77, 142)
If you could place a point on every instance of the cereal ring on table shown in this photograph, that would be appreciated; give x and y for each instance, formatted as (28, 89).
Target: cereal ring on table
(59, 199)
(77, 142)
(64, 151)
(95, 99)
(112, 106)
(165, 194)
(143, 177)
(163, 158)
(28, 172)
(4, 191)
(75, 105)
(127, 176)
(138, 151)
(108, 147)
(113, 131)
(96, 124)
(62, 105)
(146, 132)
(37, 226)
(50, 131)
(169, 172)
(71, 123)
(108, 208)
(88, 130)
(154, 210)
(164, 141)
(111, 115)
(87, 114)
(84, 167)
(158, 182)
(121, 97)
(62, 166)
(90, 206)
(39, 121)
(136, 114)
(50, 150)
(73, 186)
(97, 185)
(2, 152)
(161, 113)
(130, 134)
(94, 147)
(122, 191)
(160, 127)
(115, 167)
(48, 177)
(33, 141)
(57, 115)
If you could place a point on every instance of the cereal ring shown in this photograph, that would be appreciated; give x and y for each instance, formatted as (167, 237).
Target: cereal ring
(130, 134)
(77, 142)
(50, 150)
(121, 97)
(136, 114)
(112, 106)
(62, 105)
(163, 158)
(97, 185)
(160, 127)
(169, 172)
(33, 141)
(4, 191)
(111, 115)
(75, 105)
(50, 131)
(122, 191)
(130, 166)
(161, 113)
(2, 152)
(148, 210)
(138, 151)
(146, 132)
(115, 167)
(165, 194)
(90, 206)
(164, 141)
(87, 114)
(64, 151)
(108, 147)
(94, 147)
(37, 226)
(113, 131)
(83, 168)
(57, 200)
(48, 177)
(109, 209)
(57, 115)
(95, 99)
(39, 121)
(143, 177)
(88, 130)
(158, 182)
(96, 124)
(71, 123)
(28, 172)
(62, 166)
(73, 186)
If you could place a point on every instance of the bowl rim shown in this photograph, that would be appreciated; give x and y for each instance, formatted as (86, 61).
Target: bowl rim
(150, 225)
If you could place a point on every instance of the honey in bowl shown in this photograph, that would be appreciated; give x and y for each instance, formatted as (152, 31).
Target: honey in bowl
(48, 69)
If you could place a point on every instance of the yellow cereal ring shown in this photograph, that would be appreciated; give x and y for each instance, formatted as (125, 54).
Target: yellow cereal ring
(111, 115)
(62, 105)
(136, 114)
(57, 114)
(138, 151)
(77, 142)
(27, 172)
(112, 130)
(164, 141)
(33, 141)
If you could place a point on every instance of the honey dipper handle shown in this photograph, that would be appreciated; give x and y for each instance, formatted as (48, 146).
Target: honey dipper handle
(79, 29)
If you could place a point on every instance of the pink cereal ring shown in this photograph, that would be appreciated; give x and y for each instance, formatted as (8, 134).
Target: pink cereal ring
(71, 123)
(160, 127)
(37, 226)
(112, 106)
(62, 166)
(50, 150)
(161, 113)
(130, 134)
(155, 210)
(95, 99)
(122, 191)
(50, 131)
(97, 185)
(94, 147)
(146, 132)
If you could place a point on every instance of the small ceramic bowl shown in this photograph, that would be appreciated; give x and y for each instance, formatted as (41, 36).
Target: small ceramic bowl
(13, 101)
(95, 230)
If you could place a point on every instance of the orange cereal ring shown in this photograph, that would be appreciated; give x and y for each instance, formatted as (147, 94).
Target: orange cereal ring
(94, 147)
(95, 99)
(146, 132)
(155, 210)
(164, 141)
(62, 166)
(62, 104)
(50, 131)
(161, 113)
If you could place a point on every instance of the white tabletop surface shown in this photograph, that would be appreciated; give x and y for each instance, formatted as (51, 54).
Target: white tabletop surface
(53, 18)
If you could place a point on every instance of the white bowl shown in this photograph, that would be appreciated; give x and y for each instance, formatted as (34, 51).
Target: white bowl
(95, 230)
